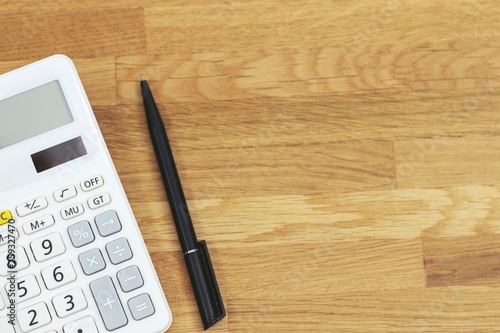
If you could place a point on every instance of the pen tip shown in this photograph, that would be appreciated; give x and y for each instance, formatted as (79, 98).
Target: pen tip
(142, 78)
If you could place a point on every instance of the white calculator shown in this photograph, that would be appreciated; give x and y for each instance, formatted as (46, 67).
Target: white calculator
(72, 258)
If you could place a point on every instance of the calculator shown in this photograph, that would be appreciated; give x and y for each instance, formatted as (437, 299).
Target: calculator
(72, 258)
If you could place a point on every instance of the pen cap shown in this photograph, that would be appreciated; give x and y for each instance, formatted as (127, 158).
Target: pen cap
(205, 287)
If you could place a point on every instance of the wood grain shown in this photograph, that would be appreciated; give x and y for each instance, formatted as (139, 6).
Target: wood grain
(339, 157)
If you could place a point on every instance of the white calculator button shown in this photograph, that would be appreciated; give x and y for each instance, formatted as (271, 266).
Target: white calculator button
(92, 183)
(99, 201)
(84, 325)
(34, 317)
(38, 224)
(26, 288)
(58, 275)
(7, 234)
(2, 306)
(21, 261)
(65, 193)
(5, 327)
(72, 211)
(69, 302)
(47, 247)
(32, 206)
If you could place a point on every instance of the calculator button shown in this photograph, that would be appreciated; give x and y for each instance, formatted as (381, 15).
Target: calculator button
(130, 278)
(92, 261)
(118, 251)
(92, 183)
(58, 275)
(38, 224)
(65, 193)
(5, 327)
(81, 234)
(84, 325)
(7, 234)
(99, 201)
(47, 247)
(31, 206)
(34, 317)
(108, 223)
(109, 304)
(69, 302)
(141, 307)
(21, 261)
(26, 288)
(72, 211)
(2, 304)
(5, 217)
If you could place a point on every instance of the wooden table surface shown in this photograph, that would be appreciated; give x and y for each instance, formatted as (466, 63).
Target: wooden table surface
(340, 158)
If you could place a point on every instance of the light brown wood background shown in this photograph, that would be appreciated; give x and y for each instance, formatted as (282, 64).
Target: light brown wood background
(340, 158)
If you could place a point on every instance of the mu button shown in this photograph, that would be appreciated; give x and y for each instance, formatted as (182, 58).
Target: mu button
(5, 217)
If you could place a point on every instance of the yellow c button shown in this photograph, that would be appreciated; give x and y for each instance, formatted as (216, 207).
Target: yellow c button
(5, 216)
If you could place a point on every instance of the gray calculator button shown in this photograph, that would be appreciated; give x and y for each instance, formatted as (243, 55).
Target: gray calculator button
(119, 251)
(130, 278)
(141, 307)
(81, 234)
(92, 261)
(108, 223)
(109, 304)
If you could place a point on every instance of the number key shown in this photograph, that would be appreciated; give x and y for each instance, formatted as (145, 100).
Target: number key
(26, 288)
(17, 261)
(47, 247)
(34, 317)
(69, 302)
(58, 275)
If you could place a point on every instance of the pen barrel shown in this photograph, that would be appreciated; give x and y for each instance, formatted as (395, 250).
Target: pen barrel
(199, 265)
(176, 199)
(168, 170)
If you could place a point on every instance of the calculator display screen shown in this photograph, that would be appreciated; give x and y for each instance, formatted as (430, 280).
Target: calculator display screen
(33, 112)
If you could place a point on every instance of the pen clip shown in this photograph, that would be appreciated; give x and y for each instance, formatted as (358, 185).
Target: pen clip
(214, 287)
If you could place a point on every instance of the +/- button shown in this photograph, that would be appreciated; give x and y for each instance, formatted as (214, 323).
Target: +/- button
(31, 206)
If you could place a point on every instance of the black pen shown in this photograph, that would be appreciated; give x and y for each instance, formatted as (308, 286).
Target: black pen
(195, 253)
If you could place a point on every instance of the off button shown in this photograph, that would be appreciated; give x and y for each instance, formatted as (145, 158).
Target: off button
(91, 183)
